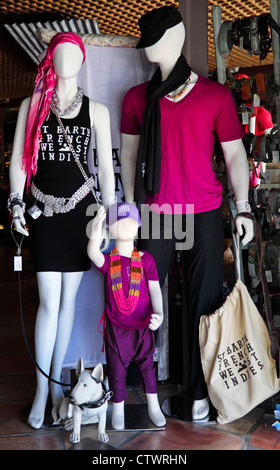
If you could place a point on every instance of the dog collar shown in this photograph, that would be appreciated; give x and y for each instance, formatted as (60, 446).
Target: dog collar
(91, 404)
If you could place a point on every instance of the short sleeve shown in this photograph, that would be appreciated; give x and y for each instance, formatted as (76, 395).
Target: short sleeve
(129, 122)
(103, 269)
(151, 267)
(264, 119)
(227, 124)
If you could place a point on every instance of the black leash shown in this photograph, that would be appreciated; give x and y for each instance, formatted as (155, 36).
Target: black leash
(18, 268)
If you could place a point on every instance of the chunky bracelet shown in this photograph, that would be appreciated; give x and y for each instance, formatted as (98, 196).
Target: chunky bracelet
(243, 206)
(15, 200)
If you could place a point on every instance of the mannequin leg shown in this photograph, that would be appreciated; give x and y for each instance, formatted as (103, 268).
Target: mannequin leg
(200, 409)
(155, 413)
(118, 415)
(117, 365)
(203, 277)
(49, 286)
(54, 322)
(69, 288)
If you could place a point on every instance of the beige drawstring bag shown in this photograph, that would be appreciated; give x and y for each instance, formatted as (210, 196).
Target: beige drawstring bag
(239, 353)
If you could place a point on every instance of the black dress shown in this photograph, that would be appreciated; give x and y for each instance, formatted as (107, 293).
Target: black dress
(60, 242)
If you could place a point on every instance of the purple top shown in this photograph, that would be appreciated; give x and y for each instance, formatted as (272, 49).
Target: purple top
(142, 313)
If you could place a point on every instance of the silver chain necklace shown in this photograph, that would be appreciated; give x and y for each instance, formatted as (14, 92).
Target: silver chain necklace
(76, 158)
(76, 102)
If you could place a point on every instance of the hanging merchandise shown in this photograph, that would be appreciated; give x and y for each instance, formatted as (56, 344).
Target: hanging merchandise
(252, 34)
(241, 34)
(225, 37)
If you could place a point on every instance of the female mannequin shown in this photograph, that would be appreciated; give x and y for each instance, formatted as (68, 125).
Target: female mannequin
(162, 38)
(58, 285)
(128, 336)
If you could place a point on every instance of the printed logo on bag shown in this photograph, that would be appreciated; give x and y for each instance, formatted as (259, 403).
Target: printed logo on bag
(238, 363)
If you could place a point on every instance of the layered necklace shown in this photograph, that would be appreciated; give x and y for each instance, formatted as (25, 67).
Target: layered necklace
(126, 305)
(76, 102)
(175, 97)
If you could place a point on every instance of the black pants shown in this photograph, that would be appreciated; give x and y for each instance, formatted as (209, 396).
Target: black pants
(202, 279)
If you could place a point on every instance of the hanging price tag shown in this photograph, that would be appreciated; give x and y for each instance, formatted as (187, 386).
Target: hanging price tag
(256, 100)
(245, 118)
(35, 212)
(17, 263)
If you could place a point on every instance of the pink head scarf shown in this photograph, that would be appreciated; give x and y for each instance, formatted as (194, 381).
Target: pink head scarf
(40, 102)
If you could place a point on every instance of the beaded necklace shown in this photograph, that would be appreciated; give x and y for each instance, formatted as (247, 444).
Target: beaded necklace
(126, 305)
(174, 97)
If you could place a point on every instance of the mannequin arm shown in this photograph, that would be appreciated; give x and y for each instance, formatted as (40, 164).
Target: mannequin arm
(129, 151)
(237, 168)
(238, 172)
(252, 124)
(101, 122)
(156, 300)
(96, 238)
(16, 172)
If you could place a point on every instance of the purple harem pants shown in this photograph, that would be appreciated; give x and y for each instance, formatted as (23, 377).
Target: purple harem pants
(123, 346)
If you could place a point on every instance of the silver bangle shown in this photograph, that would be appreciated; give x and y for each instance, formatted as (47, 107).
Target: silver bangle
(15, 200)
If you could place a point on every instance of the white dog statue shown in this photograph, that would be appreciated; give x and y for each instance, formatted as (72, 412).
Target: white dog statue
(87, 403)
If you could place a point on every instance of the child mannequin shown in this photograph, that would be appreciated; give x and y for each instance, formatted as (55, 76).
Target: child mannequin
(130, 319)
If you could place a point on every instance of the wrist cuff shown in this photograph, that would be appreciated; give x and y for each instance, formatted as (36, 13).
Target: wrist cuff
(243, 206)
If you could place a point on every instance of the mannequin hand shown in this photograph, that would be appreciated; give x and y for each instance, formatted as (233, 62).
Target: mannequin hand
(246, 227)
(105, 239)
(19, 221)
(97, 226)
(156, 321)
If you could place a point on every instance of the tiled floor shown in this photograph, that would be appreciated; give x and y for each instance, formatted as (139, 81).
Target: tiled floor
(17, 384)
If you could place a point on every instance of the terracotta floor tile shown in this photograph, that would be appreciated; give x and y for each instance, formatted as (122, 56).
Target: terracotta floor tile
(264, 439)
(185, 436)
(11, 421)
(89, 433)
(32, 442)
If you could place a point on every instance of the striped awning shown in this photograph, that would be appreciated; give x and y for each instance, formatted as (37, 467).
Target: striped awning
(24, 33)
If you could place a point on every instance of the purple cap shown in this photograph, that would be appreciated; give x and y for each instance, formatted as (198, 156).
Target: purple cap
(122, 210)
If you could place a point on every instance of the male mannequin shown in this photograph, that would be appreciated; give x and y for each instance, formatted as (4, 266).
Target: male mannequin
(58, 289)
(163, 35)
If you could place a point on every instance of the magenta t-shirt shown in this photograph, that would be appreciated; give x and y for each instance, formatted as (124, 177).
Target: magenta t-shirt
(263, 120)
(141, 316)
(188, 130)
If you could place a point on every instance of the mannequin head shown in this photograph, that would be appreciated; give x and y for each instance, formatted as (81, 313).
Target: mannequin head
(63, 38)
(67, 60)
(123, 221)
(169, 46)
(45, 83)
(162, 37)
